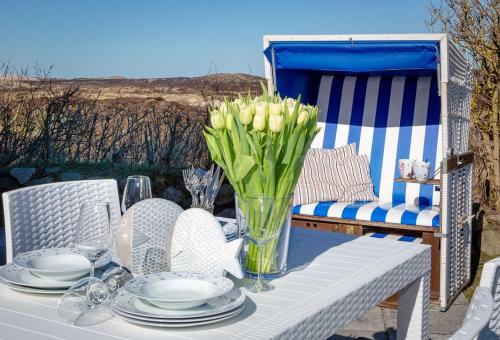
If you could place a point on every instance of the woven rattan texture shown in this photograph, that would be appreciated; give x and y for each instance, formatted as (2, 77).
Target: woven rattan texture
(45, 216)
(320, 323)
(457, 188)
(459, 228)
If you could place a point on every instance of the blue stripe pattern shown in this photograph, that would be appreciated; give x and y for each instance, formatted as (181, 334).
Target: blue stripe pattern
(405, 132)
(405, 238)
(381, 117)
(385, 149)
(332, 117)
(373, 211)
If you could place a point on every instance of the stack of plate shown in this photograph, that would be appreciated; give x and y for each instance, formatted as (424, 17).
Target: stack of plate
(47, 271)
(174, 299)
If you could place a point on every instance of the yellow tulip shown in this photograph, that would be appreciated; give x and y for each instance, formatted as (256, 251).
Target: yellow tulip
(276, 123)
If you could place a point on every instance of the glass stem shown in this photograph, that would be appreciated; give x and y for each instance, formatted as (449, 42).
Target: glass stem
(92, 265)
(259, 265)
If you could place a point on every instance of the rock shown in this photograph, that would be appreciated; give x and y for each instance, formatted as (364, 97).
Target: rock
(23, 175)
(225, 195)
(43, 180)
(8, 183)
(53, 170)
(173, 194)
(70, 176)
(228, 213)
(490, 242)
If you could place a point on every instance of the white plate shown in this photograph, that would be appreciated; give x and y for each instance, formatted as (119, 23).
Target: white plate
(166, 320)
(178, 324)
(178, 290)
(23, 277)
(129, 304)
(63, 264)
(32, 290)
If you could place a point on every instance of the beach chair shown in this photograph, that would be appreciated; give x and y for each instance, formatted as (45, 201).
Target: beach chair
(395, 97)
(482, 320)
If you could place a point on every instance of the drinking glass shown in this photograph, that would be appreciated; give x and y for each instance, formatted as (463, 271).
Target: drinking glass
(87, 302)
(138, 188)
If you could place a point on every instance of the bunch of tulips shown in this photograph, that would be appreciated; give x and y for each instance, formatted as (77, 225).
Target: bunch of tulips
(260, 143)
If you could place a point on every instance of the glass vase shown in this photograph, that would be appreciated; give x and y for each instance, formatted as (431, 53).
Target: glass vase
(264, 223)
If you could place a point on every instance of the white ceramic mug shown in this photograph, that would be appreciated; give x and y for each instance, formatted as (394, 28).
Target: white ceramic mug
(405, 167)
(421, 170)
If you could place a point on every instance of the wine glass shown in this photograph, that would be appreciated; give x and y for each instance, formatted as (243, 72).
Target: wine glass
(260, 241)
(87, 302)
(138, 188)
(93, 233)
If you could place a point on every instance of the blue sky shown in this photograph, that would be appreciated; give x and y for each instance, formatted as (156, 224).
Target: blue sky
(94, 38)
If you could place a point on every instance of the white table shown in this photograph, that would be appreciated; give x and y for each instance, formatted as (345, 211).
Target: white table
(334, 279)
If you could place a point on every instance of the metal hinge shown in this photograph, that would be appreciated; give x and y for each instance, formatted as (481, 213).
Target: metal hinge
(440, 235)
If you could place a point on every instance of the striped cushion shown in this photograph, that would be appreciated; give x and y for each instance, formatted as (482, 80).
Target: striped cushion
(397, 237)
(344, 151)
(374, 211)
(325, 177)
(388, 118)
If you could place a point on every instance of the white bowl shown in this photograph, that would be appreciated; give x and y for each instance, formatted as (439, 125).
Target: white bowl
(170, 290)
(178, 294)
(56, 264)
(60, 267)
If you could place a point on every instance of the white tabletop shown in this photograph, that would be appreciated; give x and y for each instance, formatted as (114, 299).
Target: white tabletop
(334, 278)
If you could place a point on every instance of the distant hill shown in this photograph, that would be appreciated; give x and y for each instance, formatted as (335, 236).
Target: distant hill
(183, 90)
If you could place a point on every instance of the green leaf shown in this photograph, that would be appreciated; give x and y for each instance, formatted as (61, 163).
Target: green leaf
(291, 145)
(242, 165)
(269, 169)
(212, 147)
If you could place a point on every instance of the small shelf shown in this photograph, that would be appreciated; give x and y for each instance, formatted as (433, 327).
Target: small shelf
(430, 181)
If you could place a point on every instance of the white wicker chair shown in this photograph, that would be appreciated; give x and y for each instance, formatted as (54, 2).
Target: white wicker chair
(45, 216)
(483, 315)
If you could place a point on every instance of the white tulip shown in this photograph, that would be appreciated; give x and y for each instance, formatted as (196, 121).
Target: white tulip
(261, 108)
(229, 121)
(276, 123)
(246, 115)
(217, 120)
(302, 117)
(274, 108)
(223, 108)
(259, 122)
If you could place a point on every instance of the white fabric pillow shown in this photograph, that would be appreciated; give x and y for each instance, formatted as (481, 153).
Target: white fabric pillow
(327, 177)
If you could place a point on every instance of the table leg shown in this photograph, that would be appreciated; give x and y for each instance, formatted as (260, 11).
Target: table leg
(413, 310)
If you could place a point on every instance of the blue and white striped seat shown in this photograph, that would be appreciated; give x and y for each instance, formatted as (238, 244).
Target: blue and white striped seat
(389, 118)
(374, 211)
